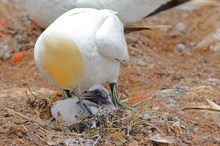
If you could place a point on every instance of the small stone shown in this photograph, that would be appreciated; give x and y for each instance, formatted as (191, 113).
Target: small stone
(149, 131)
(181, 89)
(180, 26)
(89, 142)
(163, 118)
(181, 47)
(146, 116)
(211, 82)
(177, 123)
(168, 93)
(156, 108)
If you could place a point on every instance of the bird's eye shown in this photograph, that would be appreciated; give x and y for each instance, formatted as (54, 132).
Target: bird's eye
(97, 92)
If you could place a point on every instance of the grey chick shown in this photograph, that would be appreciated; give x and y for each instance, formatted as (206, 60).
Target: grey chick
(93, 101)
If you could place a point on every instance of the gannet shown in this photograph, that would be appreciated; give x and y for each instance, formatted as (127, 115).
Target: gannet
(82, 48)
(95, 100)
(44, 12)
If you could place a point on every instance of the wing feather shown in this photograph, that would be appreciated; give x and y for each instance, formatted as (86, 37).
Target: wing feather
(110, 39)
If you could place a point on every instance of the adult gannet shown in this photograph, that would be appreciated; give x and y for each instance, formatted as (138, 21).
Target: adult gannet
(82, 48)
(44, 12)
(95, 100)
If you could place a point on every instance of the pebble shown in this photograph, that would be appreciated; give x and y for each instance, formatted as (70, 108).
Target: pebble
(180, 26)
(177, 123)
(181, 47)
(168, 93)
(146, 116)
(211, 82)
(156, 108)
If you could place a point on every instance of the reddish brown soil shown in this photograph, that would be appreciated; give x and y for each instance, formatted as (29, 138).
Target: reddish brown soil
(169, 69)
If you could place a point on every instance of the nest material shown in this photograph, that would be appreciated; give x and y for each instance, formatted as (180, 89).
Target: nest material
(97, 121)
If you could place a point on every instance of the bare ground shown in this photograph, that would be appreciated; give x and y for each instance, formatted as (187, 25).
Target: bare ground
(170, 69)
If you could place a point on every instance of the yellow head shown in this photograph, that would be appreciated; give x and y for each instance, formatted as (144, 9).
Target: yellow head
(61, 59)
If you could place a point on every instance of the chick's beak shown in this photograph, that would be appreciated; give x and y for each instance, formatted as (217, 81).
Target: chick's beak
(91, 96)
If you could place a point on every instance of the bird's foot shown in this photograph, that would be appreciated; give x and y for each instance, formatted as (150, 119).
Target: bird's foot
(84, 107)
(115, 101)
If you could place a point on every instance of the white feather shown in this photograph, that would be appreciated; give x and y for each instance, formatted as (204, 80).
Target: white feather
(44, 12)
(82, 25)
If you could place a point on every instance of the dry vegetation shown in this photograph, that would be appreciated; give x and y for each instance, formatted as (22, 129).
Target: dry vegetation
(169, 69)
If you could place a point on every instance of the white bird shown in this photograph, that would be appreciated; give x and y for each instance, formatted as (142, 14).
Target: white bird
(82, 48)
(95, 100)
(216, 115)
(44, 12)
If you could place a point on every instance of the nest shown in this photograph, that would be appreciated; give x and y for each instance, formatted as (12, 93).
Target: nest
(99, 121)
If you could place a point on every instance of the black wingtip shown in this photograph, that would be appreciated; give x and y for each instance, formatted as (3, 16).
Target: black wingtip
(167, 6)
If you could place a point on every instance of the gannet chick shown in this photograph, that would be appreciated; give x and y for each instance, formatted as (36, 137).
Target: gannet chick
(95, 100)
(82, 48)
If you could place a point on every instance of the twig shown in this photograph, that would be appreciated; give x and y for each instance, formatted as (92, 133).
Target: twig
(142, 101)
(32, 92)
(96, 140)
(154, 127)
(17, 113)
(23, 116)
(129, 127)
(121, 119)
(136, 50)
(24, 127)
(42, 139)
(125, 100)
(128, 116)
(198, 108)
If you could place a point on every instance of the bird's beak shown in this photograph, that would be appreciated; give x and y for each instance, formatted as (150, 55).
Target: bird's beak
(91, 96)
(94, 98)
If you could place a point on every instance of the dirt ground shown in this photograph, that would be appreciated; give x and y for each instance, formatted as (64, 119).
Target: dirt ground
(170, 68)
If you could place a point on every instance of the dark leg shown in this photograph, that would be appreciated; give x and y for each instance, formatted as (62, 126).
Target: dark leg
(115, 101)
(67, 94)
(77, 93)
